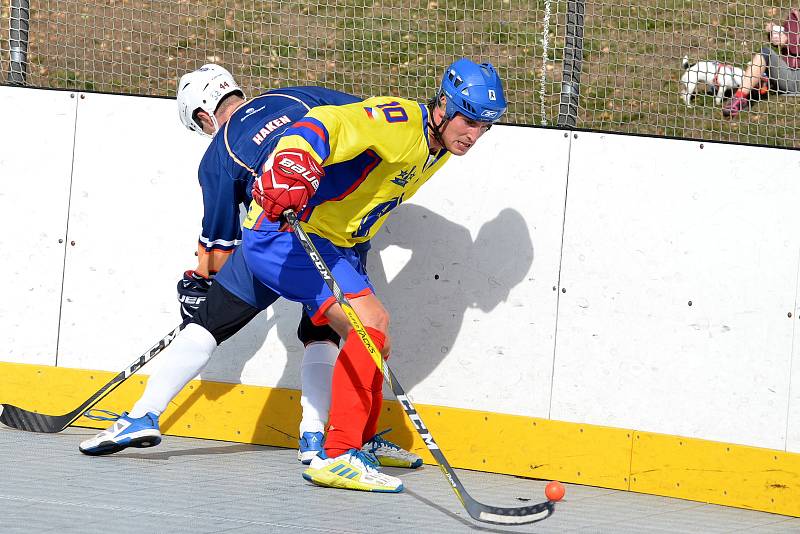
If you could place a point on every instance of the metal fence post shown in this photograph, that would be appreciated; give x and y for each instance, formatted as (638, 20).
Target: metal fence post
(573, 61)
(18, 42)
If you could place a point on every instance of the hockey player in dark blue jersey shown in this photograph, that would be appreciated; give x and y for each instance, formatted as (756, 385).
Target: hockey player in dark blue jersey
(244, 133)
(210, 101)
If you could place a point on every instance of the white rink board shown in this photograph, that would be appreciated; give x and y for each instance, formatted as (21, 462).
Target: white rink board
(135, 218)
(467, 268)
(489, 226)
(35, 169)
(793, 422)
(133, 221)
(651, 225)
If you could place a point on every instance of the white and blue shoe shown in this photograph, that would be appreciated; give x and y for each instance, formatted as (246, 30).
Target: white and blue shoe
(389, 454)
(125, 432)
(310, 445)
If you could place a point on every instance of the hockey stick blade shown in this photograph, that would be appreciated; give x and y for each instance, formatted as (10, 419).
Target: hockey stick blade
(21, 419)
(32, 421)
(509, 516)
(476, 510)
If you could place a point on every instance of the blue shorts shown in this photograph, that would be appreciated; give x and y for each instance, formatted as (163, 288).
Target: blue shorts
(236, 277)
(276, 261)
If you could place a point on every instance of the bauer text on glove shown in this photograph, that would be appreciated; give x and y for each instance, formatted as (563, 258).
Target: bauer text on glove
(289, 179)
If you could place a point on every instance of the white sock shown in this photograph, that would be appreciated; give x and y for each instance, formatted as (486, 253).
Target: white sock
(316, 375)
(183, 361)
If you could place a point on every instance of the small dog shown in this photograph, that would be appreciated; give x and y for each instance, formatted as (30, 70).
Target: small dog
(719, 79)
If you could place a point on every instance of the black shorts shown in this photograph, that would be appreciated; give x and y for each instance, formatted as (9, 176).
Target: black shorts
(308, 332)
(223, 314)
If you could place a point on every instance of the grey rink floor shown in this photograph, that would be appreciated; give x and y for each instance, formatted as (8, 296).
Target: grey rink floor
(201, 486)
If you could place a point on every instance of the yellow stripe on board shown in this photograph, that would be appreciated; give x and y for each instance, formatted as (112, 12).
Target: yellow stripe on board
(719, 473)
(694, 469)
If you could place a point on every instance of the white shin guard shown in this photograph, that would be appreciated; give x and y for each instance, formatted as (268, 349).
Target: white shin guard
(182, 361)
(316, 375)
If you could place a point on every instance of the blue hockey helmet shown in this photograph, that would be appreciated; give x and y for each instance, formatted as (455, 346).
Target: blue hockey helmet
(473, 90)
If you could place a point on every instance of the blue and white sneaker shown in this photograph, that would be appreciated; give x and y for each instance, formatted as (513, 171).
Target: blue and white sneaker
(125, 432)
(310, 445)
(389, 454)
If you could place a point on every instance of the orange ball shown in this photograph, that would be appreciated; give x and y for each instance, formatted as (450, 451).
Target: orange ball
(554, 490)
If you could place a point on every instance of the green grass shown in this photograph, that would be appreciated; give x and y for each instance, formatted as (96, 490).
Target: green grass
(67, 79)
(629, 78)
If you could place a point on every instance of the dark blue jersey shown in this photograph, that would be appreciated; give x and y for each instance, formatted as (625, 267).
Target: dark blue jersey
(236, 156)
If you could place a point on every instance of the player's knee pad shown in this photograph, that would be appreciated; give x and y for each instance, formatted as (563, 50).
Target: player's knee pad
(308, 332)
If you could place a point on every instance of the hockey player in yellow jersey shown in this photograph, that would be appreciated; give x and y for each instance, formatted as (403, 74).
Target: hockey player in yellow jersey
(343, 169)
(381, 155)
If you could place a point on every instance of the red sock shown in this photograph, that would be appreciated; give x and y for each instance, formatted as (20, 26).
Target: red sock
(371, 427)
(740, 94)
(353, 394)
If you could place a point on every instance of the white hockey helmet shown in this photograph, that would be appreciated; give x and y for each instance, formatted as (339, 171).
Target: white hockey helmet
(204, 89)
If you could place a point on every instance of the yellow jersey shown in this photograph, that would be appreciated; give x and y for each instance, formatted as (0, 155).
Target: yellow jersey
(375, 154)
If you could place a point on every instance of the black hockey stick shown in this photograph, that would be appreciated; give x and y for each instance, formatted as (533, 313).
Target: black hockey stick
(21, 419)
(476, 510)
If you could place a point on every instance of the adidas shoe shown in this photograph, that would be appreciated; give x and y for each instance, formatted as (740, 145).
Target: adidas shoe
(125, 432)
(390, 455)
(310, 445)
(352, 470)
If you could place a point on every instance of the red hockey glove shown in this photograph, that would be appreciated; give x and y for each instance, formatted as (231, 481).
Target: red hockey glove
(290, 178)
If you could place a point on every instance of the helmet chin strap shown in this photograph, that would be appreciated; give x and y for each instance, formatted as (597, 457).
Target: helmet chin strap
(225, 108)
(436, 128)
(214, 122)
